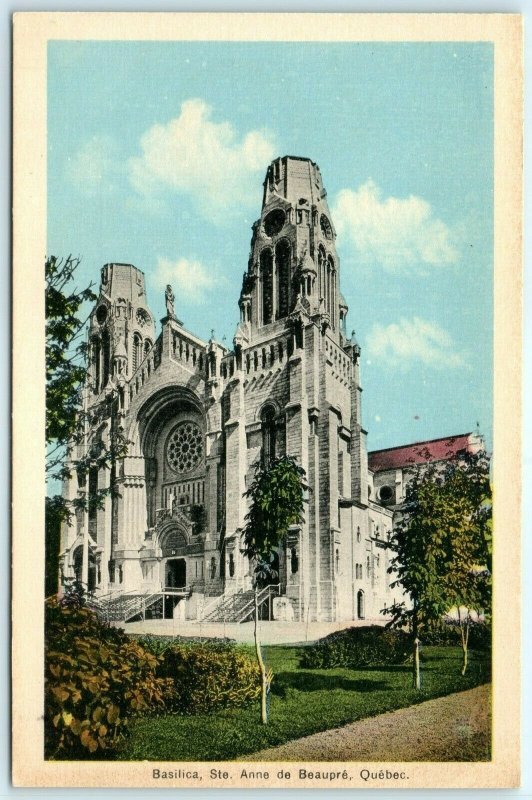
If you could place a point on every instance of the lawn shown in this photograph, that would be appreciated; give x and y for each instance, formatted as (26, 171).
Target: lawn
(302, 702)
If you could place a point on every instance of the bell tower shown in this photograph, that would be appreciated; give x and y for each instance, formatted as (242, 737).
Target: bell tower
(293, 255)
(121, 327)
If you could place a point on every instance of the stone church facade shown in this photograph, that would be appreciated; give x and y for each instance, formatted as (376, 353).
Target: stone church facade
(199, 418)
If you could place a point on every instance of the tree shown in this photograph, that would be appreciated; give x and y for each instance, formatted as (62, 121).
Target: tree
(276, 502)
(467, 579)
(67, 421)
(441, 545)
(66, 353)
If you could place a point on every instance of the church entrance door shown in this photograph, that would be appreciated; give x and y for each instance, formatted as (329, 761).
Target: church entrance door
(176, 573)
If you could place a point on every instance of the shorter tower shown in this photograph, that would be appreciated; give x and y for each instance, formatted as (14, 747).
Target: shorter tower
(121, 327)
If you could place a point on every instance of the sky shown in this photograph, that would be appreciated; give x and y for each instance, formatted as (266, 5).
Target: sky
(156, 157)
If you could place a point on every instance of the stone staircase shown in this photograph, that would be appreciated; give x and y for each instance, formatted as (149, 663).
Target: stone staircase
(240, 607)
(128, 606)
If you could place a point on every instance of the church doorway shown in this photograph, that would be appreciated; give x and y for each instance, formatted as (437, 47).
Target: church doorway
(175, 578)
(175, 573)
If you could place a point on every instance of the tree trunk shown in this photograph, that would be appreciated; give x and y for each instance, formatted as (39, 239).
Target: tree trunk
(464, 633)
(416, 677)
(264, 684)
(416, 672)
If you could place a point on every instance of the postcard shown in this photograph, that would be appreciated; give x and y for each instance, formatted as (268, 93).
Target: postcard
(266, 441)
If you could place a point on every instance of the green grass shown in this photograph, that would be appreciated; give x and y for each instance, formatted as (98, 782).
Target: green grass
(302, 702)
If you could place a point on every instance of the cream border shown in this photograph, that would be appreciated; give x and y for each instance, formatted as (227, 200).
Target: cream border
(31, 33)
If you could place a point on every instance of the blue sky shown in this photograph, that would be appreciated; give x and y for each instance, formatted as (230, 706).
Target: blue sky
(157, 153)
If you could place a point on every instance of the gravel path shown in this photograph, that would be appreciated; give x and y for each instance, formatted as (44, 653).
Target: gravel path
(452, 728)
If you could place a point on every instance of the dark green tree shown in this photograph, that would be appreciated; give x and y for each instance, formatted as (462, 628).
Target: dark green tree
(277, 496)
(67, 421)
(442, 545)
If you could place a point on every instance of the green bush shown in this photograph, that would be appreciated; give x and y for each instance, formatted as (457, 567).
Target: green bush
(96, 678)
(367, 646)
(209, 677)
(157, 644)
(447, 633)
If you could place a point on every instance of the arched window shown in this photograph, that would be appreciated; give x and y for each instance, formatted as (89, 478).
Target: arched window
(358, 533)
(137, 351)
(282, 258)
(337, 560)
(96, 358)
(268, 435)
(266, 277)
(148, 344)
(322, 272)
(106, 357)
(213, 568)
(360, 604)
(329, 294)
(231, 565)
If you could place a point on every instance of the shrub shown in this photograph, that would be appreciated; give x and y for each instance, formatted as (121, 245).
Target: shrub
(157, 644)
(367, 646)
(447, 633)
(95, 679)
(209, 677)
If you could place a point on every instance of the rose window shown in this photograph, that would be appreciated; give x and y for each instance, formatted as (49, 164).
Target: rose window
(185, 447)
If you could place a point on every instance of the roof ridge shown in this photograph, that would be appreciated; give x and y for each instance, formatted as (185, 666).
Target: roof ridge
(424, 441)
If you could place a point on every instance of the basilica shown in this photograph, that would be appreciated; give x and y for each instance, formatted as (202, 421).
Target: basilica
(199, 417)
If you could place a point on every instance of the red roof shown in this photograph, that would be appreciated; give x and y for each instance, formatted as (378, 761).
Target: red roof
(420, 452)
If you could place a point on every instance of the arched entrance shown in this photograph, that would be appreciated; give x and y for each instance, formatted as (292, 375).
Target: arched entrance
(173, 567)
(175, 573)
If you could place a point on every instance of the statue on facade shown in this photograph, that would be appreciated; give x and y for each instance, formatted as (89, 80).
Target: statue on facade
(169, 299)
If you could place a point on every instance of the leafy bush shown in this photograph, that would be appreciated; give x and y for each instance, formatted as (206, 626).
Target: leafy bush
(367, 646)
(447, 633)
(96, 677)
(209, 677)
(158, 644)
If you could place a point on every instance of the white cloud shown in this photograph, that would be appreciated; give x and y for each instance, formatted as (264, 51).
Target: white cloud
(189, 279)
(193, 154)
(94, 168)
(414, 341)
(401, 234)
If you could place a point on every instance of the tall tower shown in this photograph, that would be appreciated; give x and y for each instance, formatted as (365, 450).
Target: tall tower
(293, 255)
(121, 326)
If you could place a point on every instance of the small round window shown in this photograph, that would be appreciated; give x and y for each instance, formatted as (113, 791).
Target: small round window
(274, 221)
(185, 447)
(386, 494)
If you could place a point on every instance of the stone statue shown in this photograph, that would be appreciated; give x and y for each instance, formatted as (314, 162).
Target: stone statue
(169, 298)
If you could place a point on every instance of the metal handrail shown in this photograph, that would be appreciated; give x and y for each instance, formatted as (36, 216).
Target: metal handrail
(263, 595)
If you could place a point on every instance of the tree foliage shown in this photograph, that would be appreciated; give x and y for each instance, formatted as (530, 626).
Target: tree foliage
(66, 353)
(442, 544)
(276, 502)
(277, 496)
